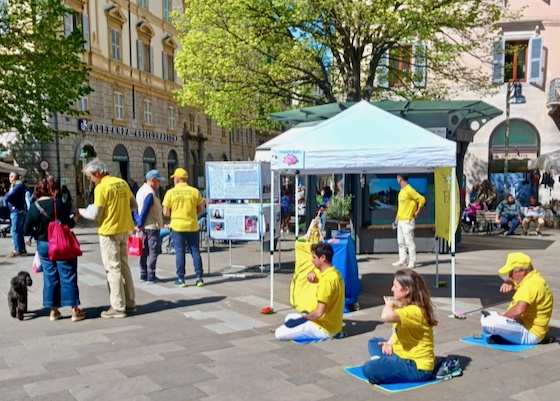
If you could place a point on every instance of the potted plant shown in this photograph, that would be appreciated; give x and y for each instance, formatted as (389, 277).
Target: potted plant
(340, 208)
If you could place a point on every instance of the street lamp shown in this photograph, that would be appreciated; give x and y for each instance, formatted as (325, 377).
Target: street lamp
(516, 89)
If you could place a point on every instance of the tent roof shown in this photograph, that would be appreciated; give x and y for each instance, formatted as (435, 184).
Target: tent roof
(364, 138)
(470, 110)
(549, 162)
(263, 153)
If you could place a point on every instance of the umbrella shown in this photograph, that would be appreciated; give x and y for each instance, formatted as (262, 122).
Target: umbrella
(549, 162)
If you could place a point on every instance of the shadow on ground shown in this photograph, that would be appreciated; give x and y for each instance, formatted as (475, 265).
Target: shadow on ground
(472, 243)
(483, 287)
(356, 327)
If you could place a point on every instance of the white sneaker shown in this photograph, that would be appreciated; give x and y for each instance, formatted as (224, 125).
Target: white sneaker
(398, 264)
(411, 266)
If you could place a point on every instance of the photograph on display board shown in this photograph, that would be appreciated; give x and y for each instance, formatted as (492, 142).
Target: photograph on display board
(216, 214)
(251, 224)
(217, 226)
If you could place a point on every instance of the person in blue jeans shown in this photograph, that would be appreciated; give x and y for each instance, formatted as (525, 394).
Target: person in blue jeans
(508, 211)
(408, 355)
(15, 199)
(60, 287)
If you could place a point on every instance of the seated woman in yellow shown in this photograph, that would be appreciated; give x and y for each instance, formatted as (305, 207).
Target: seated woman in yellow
(408, 356)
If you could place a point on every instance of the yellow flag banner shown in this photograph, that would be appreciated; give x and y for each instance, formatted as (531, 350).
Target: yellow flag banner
(442, 181)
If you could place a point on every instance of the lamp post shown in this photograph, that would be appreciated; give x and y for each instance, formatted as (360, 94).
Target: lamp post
(517, 98)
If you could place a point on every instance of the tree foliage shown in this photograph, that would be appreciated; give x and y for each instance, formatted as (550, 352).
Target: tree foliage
(242, 59)
(41, 69)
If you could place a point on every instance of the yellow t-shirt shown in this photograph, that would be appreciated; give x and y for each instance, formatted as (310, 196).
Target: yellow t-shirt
(182, 201)
(330, 291)
(113, 195)
(414, 337)
(534, 290)
(409, 202)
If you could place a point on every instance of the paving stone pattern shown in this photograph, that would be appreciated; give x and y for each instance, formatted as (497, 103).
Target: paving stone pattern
(212, 344)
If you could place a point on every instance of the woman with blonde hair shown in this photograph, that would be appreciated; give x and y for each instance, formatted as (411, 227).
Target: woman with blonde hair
(408, 355)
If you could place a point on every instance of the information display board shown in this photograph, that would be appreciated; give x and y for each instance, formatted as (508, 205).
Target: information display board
(233, 180)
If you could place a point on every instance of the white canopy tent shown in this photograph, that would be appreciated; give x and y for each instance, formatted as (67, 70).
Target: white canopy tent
(263, 152)
(365, 139)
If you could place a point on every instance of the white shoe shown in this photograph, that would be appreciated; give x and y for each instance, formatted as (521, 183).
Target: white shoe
(398, 264)
(411, 266)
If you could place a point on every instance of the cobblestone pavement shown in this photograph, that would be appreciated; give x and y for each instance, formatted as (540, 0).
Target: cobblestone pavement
(211, 343)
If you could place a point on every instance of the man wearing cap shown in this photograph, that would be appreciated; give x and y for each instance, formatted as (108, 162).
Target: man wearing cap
(149, 220)
(527, 317)
(183, 204)
(410, 203)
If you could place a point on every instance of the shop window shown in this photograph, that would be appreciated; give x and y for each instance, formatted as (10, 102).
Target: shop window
(517, 59)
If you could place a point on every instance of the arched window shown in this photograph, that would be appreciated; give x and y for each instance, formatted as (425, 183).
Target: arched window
(120, 162)
(149, 160)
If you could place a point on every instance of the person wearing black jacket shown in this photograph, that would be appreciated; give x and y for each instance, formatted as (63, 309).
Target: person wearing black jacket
(60, 286)
(15, 199)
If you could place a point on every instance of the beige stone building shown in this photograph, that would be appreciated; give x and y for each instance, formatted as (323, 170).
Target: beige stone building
(131, 120)
(533, 60)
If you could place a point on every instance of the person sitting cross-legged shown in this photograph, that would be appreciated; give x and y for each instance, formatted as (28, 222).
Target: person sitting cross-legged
(528, 315)
(508, 211)
(408, 355)
(535, 212)
(326, 320)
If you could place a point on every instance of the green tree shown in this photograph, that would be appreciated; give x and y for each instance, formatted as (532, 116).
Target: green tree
(40, 67)
(242, 59)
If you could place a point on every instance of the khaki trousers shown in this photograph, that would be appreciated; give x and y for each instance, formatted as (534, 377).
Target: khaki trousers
(405, 239)
(527, 221)
(119, 278)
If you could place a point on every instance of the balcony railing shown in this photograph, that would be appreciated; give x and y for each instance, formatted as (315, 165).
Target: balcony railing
(554, 92)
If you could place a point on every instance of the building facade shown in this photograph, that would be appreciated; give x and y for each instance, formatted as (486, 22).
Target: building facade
(528, 52)
(131, 119)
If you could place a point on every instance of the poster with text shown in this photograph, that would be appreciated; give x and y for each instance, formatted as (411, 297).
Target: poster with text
(266, 221)
(233, 180)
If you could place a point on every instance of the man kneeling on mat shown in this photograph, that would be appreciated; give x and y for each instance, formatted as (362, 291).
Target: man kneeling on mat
(408, 356)
(527, 317)
(326, 320)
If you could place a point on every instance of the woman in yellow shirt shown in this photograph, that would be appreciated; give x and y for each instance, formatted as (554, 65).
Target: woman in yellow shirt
(408, 356)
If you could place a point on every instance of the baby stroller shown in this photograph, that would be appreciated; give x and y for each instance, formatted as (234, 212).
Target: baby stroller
(5, 222)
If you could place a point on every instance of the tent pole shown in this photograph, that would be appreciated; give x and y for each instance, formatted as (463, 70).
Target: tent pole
(452, 235)
(296, 228)
(271, 238)
(436, 285)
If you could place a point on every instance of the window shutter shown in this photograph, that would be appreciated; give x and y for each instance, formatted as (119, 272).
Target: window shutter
(498, 61)
(152, 69)
(67, 23)
(165, 65)
(382, 75)
(140, 54)
(85, 29)
(535, 59)
(419, 65)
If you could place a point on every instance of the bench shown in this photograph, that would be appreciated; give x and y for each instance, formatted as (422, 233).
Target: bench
(486, 219)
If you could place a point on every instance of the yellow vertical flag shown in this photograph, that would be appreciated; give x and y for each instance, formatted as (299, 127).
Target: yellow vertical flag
(442, 181)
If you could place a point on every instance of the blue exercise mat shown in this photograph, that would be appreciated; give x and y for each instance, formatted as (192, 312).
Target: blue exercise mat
(316, 340)
(501, 347)
(356, 371)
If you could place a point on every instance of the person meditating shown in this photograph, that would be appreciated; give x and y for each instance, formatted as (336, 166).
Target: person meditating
(325, 321)
(408, 355)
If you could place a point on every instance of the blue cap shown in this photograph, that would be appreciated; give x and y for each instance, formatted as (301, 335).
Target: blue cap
(150, 175)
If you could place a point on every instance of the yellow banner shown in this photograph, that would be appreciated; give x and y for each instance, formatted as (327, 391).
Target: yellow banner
(442, 181)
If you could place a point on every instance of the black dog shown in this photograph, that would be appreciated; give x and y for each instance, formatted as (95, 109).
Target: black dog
(17, 296)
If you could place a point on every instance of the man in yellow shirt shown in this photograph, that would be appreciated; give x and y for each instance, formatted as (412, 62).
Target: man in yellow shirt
(183, 204)
(410, 203)
(112, 210)
(325, 320)
(529, 312)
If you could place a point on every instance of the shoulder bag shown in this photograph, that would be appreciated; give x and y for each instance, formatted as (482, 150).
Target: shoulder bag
(63, 244)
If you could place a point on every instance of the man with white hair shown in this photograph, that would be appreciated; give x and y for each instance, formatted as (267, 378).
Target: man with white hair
(15, 199)
(112, 209)
(528, 315)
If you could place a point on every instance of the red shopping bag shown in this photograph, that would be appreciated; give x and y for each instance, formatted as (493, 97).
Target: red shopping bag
(134, 245)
